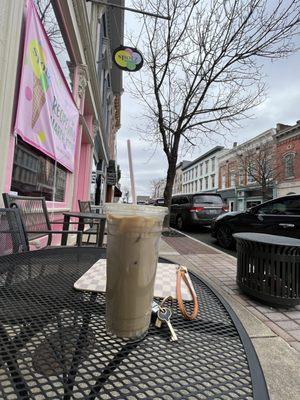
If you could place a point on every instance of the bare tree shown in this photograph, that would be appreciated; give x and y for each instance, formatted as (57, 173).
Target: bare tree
(260, 163)
(46, 13)
(203, 71)
(157, 186)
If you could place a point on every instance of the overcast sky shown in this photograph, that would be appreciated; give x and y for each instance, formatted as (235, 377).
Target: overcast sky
(282, 105)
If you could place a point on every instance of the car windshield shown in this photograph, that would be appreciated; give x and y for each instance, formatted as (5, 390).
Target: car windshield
(207, 199)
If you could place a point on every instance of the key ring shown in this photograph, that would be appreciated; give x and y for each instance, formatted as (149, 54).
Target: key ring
(163, 302)
(181, 274)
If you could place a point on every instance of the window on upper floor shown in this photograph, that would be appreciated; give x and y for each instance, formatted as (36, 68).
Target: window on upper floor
(101, 50)
(212, 181)
(223, 181)
(232, 180)
(213, 164)
(206, 166)
(201, 184)
(206, 182)
(250, 179)
(201, 169)
(288, 161)
(241, 178)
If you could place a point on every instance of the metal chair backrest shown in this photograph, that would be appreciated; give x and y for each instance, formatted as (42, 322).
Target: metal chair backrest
(34, 214)
(85, 206)
(13, 238)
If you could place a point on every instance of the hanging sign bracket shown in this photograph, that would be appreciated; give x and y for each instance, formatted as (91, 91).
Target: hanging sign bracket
(105, 3)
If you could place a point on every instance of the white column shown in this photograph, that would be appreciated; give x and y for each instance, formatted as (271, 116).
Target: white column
(11, 13)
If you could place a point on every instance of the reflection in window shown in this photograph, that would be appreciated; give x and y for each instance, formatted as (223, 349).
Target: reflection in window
(289, 165)
(35, 174)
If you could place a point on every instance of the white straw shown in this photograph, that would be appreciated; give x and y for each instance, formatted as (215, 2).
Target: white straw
(133, 194)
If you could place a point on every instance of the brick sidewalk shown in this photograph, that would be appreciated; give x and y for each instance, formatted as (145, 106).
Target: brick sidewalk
(221, 270)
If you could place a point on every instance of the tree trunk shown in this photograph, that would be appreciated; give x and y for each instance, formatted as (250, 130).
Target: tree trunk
(172, 160)
(264, 192)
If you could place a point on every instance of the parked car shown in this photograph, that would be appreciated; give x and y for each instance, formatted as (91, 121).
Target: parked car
(280, 216)
(157, 202)
(197, 209)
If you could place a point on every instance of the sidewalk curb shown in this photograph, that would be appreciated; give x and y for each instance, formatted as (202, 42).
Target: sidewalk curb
(205, 244)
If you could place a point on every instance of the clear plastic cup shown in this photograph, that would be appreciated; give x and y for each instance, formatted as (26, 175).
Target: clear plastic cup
(132, 253)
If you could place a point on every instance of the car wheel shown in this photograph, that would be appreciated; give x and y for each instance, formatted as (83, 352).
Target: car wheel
(224, 237)
(179, 223)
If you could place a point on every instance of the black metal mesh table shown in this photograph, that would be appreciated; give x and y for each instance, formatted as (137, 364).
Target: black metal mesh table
(54, 344)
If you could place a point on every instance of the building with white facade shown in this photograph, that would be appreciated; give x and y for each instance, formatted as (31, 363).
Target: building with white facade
(177, 187)
(201, 174)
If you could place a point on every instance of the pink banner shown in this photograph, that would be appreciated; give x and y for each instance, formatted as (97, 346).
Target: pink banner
(47, 117)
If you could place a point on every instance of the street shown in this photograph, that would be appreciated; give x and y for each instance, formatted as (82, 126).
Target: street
(203, 234)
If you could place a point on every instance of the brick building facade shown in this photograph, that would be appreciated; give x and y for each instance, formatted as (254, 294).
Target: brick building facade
(288, 158)
(238, 189)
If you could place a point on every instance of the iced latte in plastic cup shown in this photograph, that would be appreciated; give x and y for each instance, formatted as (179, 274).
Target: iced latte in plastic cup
(132, 252)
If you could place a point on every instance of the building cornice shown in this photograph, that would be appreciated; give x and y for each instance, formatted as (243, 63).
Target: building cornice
(203, 157)
(288, 134)
(268, 135)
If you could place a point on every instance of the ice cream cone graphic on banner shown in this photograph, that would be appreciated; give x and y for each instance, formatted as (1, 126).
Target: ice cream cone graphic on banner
(40, 80)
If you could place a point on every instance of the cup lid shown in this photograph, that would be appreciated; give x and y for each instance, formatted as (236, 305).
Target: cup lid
(135, 210)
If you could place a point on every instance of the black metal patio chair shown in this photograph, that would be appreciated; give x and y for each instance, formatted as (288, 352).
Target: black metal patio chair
(35, 217)
(86, 207)
(12, 235)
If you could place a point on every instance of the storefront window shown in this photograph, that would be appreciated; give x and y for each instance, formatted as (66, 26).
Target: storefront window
(34, 174)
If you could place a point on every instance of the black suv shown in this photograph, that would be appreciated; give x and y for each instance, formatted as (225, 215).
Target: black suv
(280, 216)
(197, 209)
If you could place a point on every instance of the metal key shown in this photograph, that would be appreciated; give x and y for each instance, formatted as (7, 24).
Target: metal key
(164, 314)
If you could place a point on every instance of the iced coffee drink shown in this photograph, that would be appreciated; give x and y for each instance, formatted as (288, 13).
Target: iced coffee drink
(132, 253)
